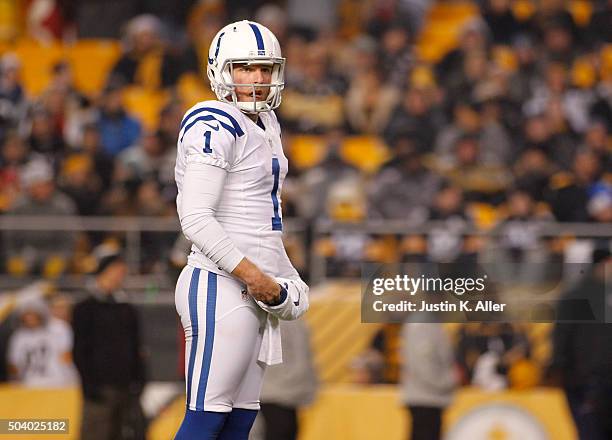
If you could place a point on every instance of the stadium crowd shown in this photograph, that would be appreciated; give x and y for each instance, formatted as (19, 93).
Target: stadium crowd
(509, 127)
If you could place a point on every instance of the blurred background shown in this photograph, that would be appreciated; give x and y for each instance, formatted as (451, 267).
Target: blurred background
(417, 130)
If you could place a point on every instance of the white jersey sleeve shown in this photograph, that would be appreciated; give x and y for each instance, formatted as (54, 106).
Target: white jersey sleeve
(203, 185)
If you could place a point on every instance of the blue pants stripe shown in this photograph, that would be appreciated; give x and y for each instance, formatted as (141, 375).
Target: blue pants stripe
(211, 304)
(193, 316)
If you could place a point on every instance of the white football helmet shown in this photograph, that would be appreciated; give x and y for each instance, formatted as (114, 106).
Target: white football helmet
(245, 42)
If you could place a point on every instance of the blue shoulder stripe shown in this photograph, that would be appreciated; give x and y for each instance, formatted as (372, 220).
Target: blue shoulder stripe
(235, 124)
(209, 118)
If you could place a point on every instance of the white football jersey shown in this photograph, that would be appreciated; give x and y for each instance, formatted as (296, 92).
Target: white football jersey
(249, 209)
(38, 354)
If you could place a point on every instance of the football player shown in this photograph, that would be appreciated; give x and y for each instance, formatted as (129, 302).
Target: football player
(238, 280)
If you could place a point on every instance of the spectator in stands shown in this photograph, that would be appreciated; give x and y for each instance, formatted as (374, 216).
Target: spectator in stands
(69, 107)
(558, 35)
(473, 39)
(39, 353)
(62, 79)
(521, 83)
(539, 134)
(46, 137)
(170, 117)
(404, 188)
(79, 181)
(145, 62)
(532, 172)
(582, 352)
(413, 117)
(573, 104)
(570, 192)
(13, 157)
(519, 243)
(60, 106)
(368, 102)
(40, 251)
(446, 241)
(501, 21)
(487, 351)
(415, 12)
(428, 379)
(466, 121)
(108, 354)
(118, 130)
(315, 183)
(90, 145)
(474, 70)
(494, 137)
(13, 100)
(289, 386)
(60, 324)
(314, 103)
(48, 21)
(596, 139)
(396, 55)
(600, 202)
(147, 160)
(479, 180)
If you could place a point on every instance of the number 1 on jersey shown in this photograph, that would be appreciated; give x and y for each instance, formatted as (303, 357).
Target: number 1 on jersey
(207, 148)
(277, 223)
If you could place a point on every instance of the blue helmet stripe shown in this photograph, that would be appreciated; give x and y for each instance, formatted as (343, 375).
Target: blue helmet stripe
(258, 37)
(210, 60)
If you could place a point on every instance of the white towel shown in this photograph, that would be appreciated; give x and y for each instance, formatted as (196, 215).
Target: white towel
(271, 351)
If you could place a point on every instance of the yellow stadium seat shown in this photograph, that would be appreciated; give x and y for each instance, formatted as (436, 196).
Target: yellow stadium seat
(485, 215)
(10, 20)
(442, 29)
(91, 61)
(581, 10)
(505, 58)
(307, 151)
(192, 89)
(523, 10)
(584, 73)
(422, 77)
(37, 61)
(367, 153)
(145, 104)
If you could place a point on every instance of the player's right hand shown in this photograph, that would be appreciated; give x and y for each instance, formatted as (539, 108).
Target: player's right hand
(260, 286)
(264, 289)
